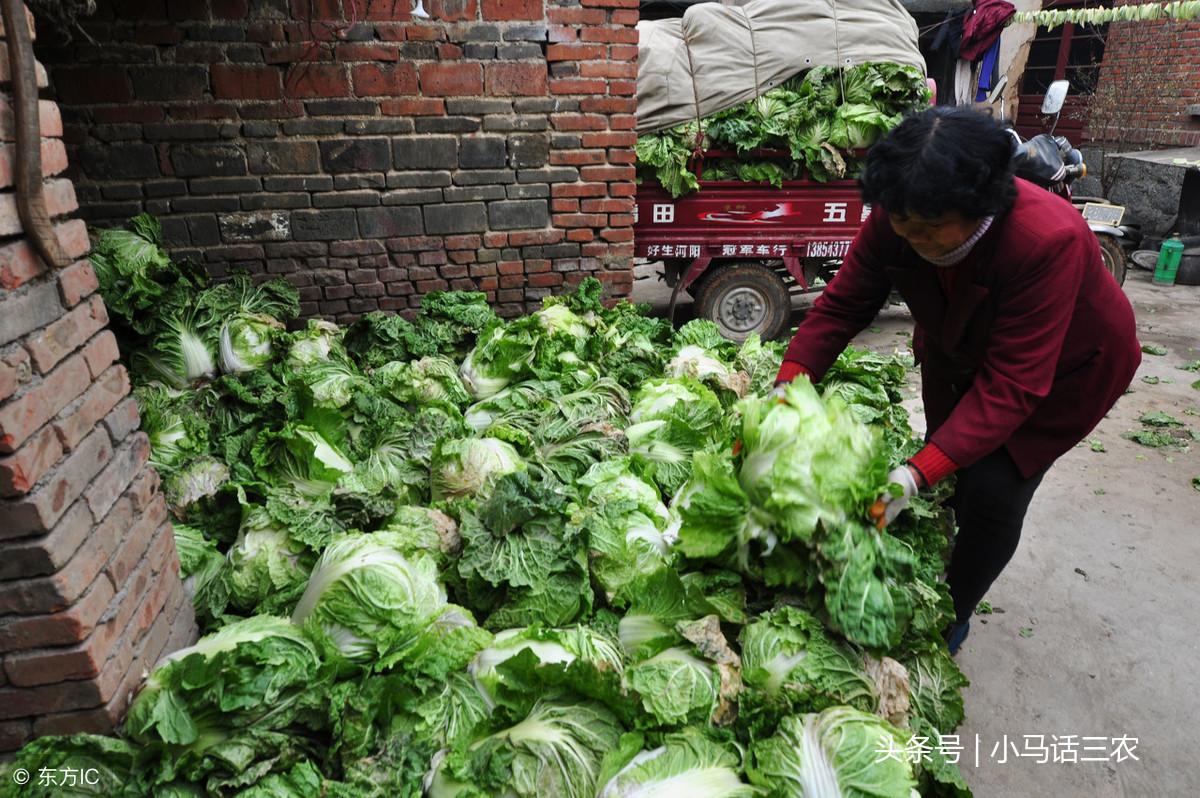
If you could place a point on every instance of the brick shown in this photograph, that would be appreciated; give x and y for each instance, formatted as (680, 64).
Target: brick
(126, 557)
(50, 345)
(578, 157)
(572, 121)
(27, 310)
(575, 16)
(575, 52)
(469, 217)
(90, 85)
(356, 155)
(526, 238)
(324, 225)
(141, 601)
(77, 282)
(610, 173)
(310, 80)
(512, 80)
(207, 160)
(390, 222)
(119, 161)
(623, 35)
(20, 471)
(414, 106)
(82, 416)
(577, 86)
(282, 157)
(48, 114)
(164, 82)
(579, 190)
(375, 80)
(19, 419)
(14, 734)
(518, 214)
(504, 10)
(127, 462)
(451, 79)
(234, 82)
(50, 552)
(40, 510)
(425, 152)
(483, 152)
(608, 105)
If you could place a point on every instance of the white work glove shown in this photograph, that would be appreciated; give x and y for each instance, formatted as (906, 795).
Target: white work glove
(887, 507)
(779, 391)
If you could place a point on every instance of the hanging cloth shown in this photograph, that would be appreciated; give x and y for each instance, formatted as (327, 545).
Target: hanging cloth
(983, 27)
(989, 71)
(964, 84)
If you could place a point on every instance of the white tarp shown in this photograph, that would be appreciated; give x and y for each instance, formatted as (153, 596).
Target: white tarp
(717, 56)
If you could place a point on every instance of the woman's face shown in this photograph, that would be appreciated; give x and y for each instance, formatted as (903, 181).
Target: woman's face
(932, 237)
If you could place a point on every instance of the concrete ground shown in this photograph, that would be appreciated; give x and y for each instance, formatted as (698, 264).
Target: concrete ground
(1097, 625)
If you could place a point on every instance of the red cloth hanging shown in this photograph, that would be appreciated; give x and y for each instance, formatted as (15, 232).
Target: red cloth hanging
(983, 27)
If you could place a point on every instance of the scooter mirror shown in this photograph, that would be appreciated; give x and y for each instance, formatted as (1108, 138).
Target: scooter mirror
(1055, 95)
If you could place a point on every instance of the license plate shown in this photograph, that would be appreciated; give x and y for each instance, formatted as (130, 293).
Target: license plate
(1104, 213)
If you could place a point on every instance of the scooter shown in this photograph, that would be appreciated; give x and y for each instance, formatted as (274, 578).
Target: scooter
(1053, 163)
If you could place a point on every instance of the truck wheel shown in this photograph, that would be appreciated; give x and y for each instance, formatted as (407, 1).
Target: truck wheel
(1113, 256)
(744, 298)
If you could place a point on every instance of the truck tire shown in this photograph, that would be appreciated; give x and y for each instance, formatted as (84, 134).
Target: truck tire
(1113, 256)
(744, 298)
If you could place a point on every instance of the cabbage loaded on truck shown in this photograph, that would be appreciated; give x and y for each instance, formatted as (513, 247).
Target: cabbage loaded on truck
(752, 123)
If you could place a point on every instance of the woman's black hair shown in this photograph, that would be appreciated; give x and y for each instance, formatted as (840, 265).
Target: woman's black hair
(939, 160)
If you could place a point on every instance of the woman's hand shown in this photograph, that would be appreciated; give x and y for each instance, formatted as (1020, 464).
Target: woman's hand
(887, 507)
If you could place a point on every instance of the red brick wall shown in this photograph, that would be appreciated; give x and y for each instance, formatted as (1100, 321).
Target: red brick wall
(1149, 77)
(366, 156)
(90, 595)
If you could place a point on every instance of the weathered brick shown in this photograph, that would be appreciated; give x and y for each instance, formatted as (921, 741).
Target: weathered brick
(81, 417)
(468, 217)
(20, 471)
(235, 82)
(518, 214)
(40, 510)
(50, 345)
(451, 79)
(123, 420)
(375, 80)
(446, 124)
(206, 160)
(390, 222)
(48, 113)
(163, 82)
(20, 418)
(473, 193)
(282, 157)
(14, 734)
(28, 309)
(50, 552)
(356, 155)
(513, 80)
(324, 225)
(255, 226)
(127, 462)
(482, 152)
(119, 161)
(310, 80)
(77, 282)
(425, 152)
(420, 196)
(136, 607)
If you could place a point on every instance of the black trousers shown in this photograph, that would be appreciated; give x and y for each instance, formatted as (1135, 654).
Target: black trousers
(989, 503)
